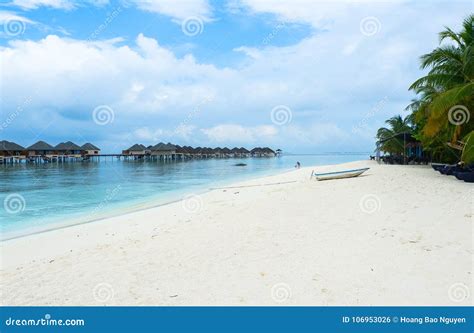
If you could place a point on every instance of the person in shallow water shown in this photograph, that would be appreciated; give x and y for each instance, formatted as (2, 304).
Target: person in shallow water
(298, 165)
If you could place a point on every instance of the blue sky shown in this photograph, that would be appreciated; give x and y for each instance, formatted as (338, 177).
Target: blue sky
(304, 76)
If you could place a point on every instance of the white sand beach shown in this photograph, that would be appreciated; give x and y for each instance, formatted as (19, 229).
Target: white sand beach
(398, 235)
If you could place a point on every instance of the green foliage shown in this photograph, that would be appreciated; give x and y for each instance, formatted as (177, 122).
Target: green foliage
(468, 151)
(448, 85)
(386, 139)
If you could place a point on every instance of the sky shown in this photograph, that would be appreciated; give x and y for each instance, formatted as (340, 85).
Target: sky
(303, 76)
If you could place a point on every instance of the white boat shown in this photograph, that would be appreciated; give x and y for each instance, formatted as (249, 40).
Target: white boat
(339, 174)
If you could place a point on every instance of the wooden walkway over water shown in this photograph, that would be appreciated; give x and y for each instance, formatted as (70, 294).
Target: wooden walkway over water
(19, 159)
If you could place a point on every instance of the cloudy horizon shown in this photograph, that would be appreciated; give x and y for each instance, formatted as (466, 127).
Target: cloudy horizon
(303, 76)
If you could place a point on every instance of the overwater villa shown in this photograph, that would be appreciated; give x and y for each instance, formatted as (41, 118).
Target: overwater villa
(136, 149)
(11, 152)
(89, 149)
(41, 151)
(68, 148)
(170, 151)
(8, 148)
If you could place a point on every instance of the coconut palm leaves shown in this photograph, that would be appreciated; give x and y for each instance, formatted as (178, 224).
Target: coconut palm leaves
(448, 86)
(386, 136)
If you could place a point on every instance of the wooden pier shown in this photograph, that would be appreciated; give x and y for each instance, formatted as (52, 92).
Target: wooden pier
(68, 152)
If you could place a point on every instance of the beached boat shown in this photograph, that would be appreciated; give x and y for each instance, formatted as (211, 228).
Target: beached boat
(339, 174)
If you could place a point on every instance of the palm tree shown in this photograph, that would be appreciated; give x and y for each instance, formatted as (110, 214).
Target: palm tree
(387, 140)
(449, 82)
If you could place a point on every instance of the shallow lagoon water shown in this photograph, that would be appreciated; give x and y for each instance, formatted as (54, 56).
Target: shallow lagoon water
(38, 197)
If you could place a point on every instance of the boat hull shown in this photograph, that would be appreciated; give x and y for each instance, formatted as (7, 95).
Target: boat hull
(339, 174)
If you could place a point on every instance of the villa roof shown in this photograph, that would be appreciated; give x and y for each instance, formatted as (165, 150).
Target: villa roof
(89, 146)
(170, 146)
(40, 145)
(10, 146)
(137, 147)
(67, 146)
(243, 150)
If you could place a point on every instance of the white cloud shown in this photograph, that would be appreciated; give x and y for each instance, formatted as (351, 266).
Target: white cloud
(56, 4)
(178, 10)
(153, 135)
(34, 4)
(233, 133)
(329, 80)
(6, 16)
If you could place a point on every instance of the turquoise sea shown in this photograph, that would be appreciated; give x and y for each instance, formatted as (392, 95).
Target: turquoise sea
(46, 196)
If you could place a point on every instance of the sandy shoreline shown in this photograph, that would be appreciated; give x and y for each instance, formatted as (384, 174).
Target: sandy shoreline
(401, 235)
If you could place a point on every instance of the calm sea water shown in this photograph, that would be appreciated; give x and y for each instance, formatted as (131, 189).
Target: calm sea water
(38, 197)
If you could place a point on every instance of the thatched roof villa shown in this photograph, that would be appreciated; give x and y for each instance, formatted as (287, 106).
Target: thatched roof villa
(136, 149)
(40, 148)
(163, 149)
(89, 149)
(8, 148)
(68, 148)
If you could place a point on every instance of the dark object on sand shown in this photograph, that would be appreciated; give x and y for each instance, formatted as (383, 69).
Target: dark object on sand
(468, 177)
(240, 164)
(450, 169)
